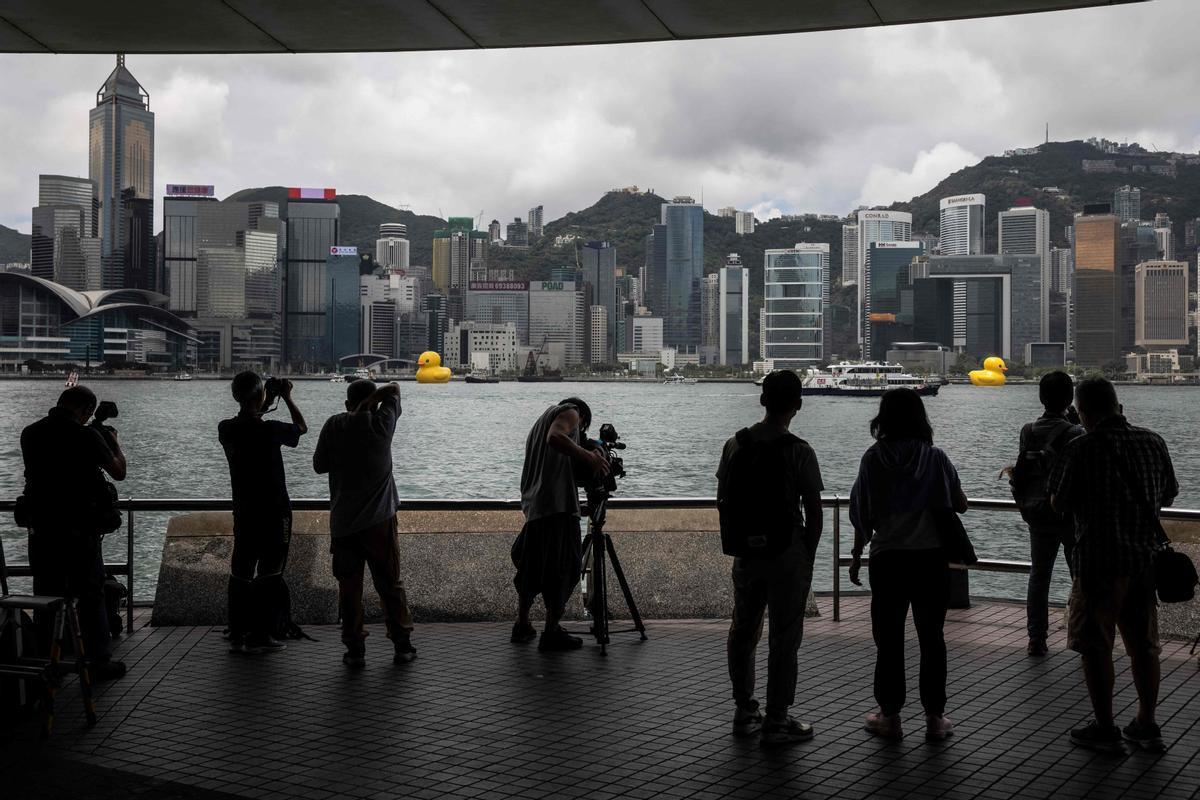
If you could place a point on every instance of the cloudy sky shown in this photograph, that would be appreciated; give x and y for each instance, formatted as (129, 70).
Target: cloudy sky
(806, 122)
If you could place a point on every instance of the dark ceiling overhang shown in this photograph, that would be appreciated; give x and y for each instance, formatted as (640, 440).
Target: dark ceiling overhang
(321, 26)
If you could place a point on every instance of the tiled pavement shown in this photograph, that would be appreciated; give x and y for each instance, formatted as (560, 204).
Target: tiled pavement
(475, 716)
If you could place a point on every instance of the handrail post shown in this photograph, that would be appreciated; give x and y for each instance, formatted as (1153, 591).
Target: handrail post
(837, 558)
(129, 564)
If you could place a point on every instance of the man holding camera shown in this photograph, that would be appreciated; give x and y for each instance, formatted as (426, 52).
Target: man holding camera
(262, 510)
(547, 553)
(69, 508)
(355, 449)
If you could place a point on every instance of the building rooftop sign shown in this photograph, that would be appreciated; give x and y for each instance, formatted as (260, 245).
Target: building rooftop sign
(498, 286)
(307, 193)
(337, 250)
(189, 190)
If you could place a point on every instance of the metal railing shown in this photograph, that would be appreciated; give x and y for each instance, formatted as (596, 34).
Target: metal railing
(131, 506)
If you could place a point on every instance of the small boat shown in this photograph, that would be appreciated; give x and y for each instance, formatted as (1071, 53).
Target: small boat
(679, 380)
(182, 375)
(72, 379)
(337, 378)
(480, 377)
(362, 373)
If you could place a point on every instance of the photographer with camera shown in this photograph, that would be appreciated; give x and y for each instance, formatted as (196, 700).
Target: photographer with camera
(262, 510)
(69, 506)
(547, 553)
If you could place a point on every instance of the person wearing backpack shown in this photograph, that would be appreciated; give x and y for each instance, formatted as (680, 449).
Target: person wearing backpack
(262, 512)
(899, 502)
(1042, 441)
(769, 500)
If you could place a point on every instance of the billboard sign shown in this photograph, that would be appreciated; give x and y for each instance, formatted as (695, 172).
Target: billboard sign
(190, 190)
(498, 286)
(307, 193)
(343, 251)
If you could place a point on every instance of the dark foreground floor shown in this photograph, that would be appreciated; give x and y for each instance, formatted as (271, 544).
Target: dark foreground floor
(474, 716)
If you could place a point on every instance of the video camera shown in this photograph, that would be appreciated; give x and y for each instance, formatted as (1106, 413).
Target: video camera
(608, 442)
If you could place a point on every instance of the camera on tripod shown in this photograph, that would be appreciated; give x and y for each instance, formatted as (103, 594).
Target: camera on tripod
(608, 442)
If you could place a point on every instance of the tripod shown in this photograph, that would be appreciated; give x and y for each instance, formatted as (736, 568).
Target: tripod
(597, 544)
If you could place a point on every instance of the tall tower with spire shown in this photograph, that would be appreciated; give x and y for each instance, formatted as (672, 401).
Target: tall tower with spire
(121, 166)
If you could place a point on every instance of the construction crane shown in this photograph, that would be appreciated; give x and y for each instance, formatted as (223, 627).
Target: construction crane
(479, 221)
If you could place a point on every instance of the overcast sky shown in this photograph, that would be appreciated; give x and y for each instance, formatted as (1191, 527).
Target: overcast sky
(805, 122)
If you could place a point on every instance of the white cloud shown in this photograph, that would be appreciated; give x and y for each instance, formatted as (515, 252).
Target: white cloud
(885, 185)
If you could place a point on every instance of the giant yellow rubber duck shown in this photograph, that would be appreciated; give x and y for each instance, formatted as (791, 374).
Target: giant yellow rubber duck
(430, 369)
(992, 373)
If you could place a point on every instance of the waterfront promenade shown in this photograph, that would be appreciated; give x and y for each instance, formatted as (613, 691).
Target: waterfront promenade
(477, 717)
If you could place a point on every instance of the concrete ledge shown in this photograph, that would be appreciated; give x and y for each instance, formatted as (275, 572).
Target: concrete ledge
(456, 567)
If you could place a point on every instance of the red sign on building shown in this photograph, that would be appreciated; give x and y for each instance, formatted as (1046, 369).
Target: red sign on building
(306, 193)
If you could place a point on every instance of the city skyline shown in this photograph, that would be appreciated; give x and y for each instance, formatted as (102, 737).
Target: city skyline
(220, 120)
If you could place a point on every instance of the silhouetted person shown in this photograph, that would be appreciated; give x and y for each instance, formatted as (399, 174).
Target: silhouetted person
(68, 500)
(355, 449)
(1114, 480)
(547, 553)
(779, 481)
(904, 483)
(1042, 442)
(262, 511)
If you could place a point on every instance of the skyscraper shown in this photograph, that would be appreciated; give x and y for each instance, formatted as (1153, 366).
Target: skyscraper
(850, 274)
(1127, 203)
(876, 226)
(392, 246)
(313, 227)
(734, 312)
(1162, 304)
(795, 283)
(598, 262)
(494, 232)
(534, 231)
(1165, 236)
(887, 321)
(121, 164)
(1025, 230)
(459, 251)
(684, 268)
(556, 316)
(960, 233)
(64, 247)
(710, 318)
(1097, 295)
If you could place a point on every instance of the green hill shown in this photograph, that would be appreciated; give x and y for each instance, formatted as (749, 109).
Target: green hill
(14, 246)
(1005, 179)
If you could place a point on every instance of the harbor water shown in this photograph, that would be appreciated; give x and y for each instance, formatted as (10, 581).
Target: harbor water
(466, 441)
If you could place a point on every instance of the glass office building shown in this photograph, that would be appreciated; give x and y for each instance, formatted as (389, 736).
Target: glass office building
(887, 320)
(682, 271)
(500, 302)
(795, 285)
(599, 266)
(312, 230)
(734, 314)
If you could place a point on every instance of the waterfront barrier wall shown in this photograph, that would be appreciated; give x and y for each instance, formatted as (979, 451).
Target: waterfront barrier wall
(456, 565)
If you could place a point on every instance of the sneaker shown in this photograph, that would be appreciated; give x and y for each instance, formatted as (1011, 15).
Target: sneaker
(1093, 736)
(354, 659)
(107, 670)
(523, 634)
(405, 653)
(1037, 647)
(885, 726)
(558, 640)
(747, 722)
(262, 644)
(785, 731)
(1147, 737)
(937, 729)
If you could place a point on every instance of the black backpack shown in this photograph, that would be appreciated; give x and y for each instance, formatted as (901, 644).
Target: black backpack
(1031, 475)
(758, 518)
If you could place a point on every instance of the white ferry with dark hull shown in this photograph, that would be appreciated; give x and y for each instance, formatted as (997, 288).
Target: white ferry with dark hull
(863, 379)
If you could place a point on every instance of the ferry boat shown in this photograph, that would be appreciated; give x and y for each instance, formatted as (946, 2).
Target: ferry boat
(677, 380)
(863, 379)
(182, 376)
